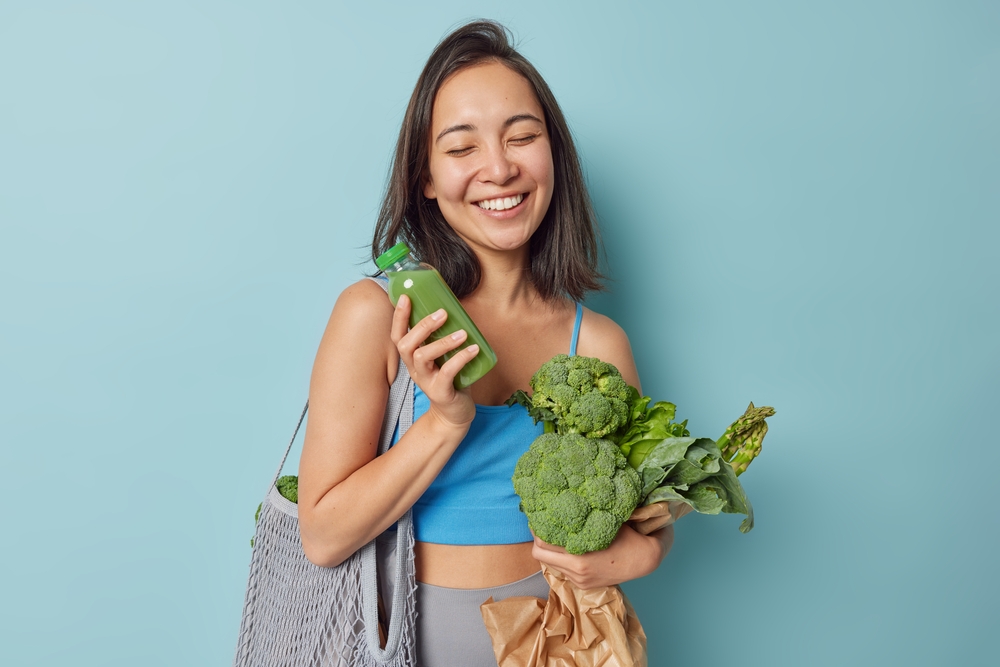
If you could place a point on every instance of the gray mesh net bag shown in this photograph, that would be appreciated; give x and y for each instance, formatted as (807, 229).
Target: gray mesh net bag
(297, 614)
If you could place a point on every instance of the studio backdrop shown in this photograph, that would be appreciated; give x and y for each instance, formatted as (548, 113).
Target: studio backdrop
(799, 204)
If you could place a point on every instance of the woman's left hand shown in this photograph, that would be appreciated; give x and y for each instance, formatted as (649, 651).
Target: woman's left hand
(630, 556)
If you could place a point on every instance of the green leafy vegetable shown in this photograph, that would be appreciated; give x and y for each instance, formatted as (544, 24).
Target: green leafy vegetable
(585, 396)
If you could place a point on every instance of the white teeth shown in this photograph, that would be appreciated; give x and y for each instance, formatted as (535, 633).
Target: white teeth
(501, 204)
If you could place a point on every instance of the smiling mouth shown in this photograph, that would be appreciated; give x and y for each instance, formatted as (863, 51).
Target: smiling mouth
(501, 203)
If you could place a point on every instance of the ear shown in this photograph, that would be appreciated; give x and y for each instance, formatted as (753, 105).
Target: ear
(429, 191)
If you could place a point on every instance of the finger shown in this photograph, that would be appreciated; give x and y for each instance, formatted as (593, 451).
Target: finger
(436, 349)
(421, 330)
(451, 368)
(568, 569)
(558, 572)
(414, 339)
(561, 560)
(400, 319)
(680, 510)
(542, 544)
(431, 323)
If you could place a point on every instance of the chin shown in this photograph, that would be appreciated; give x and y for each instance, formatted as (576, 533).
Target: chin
(508, 243)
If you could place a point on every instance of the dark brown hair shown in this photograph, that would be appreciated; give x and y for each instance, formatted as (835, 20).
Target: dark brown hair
(563, 251)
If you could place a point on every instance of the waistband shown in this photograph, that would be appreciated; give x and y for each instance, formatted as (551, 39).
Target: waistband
(533, 585)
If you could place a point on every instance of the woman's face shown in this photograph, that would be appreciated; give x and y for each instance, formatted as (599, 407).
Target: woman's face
(490, 160)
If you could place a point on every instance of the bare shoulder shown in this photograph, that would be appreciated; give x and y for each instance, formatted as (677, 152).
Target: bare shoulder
(359, 326)
(602, 337)
(364, 298)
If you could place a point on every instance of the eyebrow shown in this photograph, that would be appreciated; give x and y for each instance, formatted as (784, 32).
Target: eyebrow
(471, 128)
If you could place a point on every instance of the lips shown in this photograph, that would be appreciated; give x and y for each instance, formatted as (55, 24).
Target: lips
(500, 203)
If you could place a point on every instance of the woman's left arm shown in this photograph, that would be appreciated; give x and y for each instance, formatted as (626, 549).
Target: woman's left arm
(631, 555)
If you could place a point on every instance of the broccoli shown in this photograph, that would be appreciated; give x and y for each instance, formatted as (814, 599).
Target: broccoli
(576, 491)
(578, 395)
(288, 487)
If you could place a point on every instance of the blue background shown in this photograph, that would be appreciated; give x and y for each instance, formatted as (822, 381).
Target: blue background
(800, 207)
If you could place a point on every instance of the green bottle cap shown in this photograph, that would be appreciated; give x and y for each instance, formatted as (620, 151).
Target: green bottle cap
(392, 255)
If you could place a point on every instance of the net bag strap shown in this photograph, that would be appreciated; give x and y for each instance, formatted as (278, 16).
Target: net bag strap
(398, 416)
(398, 412)
(401, 404)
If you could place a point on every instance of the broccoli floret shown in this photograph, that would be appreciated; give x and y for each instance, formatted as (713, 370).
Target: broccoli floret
(585, 395)
(288, 487)
(576, 491)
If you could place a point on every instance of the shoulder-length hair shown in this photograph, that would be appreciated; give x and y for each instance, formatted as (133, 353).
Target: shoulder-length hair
(563, 251)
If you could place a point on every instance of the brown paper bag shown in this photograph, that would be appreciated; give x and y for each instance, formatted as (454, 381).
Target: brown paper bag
(573, 628)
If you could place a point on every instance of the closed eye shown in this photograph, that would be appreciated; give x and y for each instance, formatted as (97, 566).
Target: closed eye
(524, 140)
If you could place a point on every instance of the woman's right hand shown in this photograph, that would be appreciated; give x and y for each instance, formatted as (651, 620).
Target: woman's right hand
(452, 407)
(347, 493)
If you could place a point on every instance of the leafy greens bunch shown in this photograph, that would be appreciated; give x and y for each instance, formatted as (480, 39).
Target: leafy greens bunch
(582, 398)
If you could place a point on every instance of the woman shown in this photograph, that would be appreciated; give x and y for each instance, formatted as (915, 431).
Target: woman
(486, 186)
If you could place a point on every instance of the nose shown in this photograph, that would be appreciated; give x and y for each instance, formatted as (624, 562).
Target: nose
(498, 167)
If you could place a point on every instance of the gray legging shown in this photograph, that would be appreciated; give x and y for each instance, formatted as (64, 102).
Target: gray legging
(450, 628)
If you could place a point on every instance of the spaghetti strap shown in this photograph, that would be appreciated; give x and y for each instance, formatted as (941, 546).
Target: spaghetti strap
(576, 330)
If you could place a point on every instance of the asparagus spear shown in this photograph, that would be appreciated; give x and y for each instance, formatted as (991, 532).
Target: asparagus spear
(742, 441)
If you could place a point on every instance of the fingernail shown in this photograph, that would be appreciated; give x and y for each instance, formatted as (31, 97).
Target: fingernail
(458, 335)
(473, 348)
(438, 314)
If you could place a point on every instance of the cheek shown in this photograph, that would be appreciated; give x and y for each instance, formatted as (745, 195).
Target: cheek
(539, 165)
(543, 173)
(450, 181)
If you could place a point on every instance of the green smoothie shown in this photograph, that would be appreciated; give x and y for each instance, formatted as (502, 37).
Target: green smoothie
(428, 292)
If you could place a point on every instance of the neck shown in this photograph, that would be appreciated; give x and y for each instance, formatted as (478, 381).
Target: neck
(506, 279)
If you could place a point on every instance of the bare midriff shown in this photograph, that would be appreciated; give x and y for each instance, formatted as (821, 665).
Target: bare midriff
(479, 566)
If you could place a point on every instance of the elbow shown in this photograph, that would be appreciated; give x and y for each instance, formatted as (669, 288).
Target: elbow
(321, 550)
(322, 555)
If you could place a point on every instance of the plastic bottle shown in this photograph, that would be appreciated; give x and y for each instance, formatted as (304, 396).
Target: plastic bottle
(428, 292)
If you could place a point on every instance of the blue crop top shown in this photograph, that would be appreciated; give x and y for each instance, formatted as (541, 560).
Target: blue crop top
(472, 500)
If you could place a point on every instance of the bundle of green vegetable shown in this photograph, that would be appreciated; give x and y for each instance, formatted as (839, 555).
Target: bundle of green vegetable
(288, 487)
(607, 450)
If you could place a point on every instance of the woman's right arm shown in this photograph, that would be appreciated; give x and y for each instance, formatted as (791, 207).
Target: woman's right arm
(347, 494)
